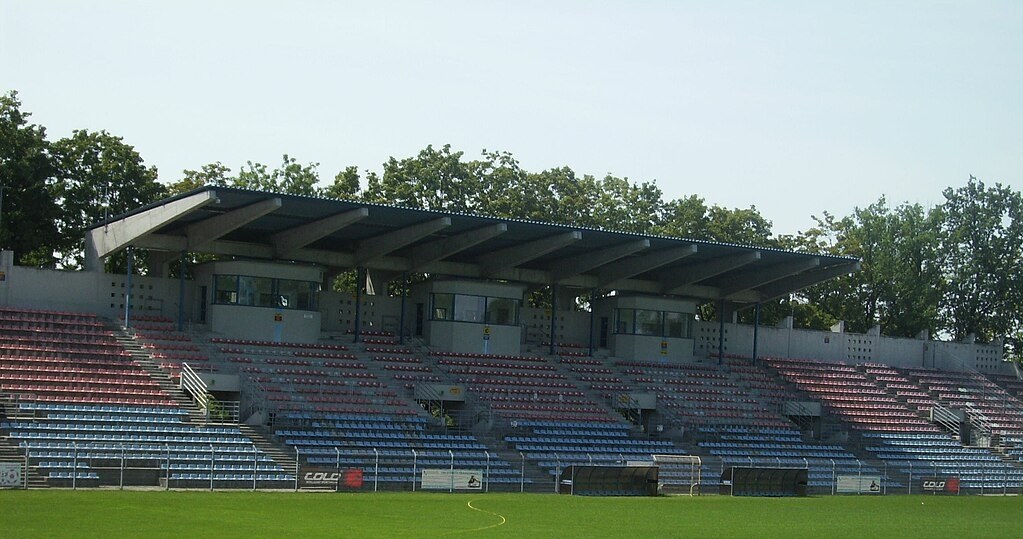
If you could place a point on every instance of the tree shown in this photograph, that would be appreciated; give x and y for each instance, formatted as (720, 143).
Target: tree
(215, 174)
(899, 284)
(433, 180)
(346, 185)
(981, 243)
(742, 226)
(97, 176)
(291, 178)
(27, 211)
(685, 218)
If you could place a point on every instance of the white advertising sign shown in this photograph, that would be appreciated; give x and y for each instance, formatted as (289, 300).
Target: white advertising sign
(452, 479)
(10, 474)
(859, 484)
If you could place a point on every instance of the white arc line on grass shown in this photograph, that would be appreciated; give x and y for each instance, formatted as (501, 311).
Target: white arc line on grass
(503, 520)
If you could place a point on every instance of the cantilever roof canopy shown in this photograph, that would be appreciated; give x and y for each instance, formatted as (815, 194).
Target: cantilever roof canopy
(389, 240)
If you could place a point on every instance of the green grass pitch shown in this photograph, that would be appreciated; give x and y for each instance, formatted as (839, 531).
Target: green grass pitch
(110, 514)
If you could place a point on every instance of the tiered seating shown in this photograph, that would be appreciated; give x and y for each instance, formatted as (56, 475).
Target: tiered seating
(85, 407)
(982, 399)
(388, 449)
(521, 387)
(93, 441)
(407, 369)
(1011, 384)
(701, 394)
(69, 357)
(924, 454)
(849, 395)
(783, 447)
(168, 346)
(552, 445)
(896, 383)
(313, 377)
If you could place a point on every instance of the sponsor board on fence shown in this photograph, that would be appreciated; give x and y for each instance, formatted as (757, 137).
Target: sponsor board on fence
(10, 474)
(940, 485)
(350, 478)
(452, 479)
(858, 484)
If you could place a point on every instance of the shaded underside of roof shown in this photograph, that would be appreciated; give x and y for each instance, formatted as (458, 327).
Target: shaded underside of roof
(387, 241)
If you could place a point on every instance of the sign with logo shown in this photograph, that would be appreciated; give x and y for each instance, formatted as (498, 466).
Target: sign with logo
(10, 475)
(664, 348)
(331, 478)
(858, 484)
(452, 479)
(939, 485)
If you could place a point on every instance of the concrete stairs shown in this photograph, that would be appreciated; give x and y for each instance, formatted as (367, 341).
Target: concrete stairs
(537, 479)
(143, 359)
(263, 439)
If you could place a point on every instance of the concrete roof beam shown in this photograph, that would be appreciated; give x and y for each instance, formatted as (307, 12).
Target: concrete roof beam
(102, 241)
(389, 242)
(203, 232)
(762, 276)
(624, 269)
(705, 270)
(510, 257)
(421, 256)
(800, 281)
(570, 267)
(288, 241)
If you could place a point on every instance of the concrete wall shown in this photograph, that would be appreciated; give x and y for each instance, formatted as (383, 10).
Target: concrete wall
(99, 293)
(378, 313)
(570, 327)
(842, 347)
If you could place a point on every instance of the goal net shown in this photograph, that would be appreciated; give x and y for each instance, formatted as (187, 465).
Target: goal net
(679, 474)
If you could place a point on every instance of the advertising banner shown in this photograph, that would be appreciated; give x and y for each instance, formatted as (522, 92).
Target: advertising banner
(452, 479)
(940, 485)
(332, 478)
(858, 484)
(10, 475)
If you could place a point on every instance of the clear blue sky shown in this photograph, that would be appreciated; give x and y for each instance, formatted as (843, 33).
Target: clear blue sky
(796, 107)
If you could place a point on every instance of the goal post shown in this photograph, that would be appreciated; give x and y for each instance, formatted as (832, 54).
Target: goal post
(679, 474)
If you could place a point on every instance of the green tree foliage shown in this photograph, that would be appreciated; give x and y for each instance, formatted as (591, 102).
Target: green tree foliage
(981, 247)
(27, 210)
(899, 285)
(291, 177)
(215, 174)
(346, 185)
(97, 176)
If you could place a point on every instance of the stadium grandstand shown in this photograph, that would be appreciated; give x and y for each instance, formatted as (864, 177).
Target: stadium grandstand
(248, 371)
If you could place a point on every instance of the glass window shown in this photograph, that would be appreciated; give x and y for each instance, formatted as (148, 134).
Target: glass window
(226, 287)
(625, 320)
(297, 294)
(674, 324)
(470, 308)
(503, 311)
(443, 306)
(687, 325)
(256, 291)
(648, 322)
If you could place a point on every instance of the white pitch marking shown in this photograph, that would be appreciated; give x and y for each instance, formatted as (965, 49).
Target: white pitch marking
(503, 520)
